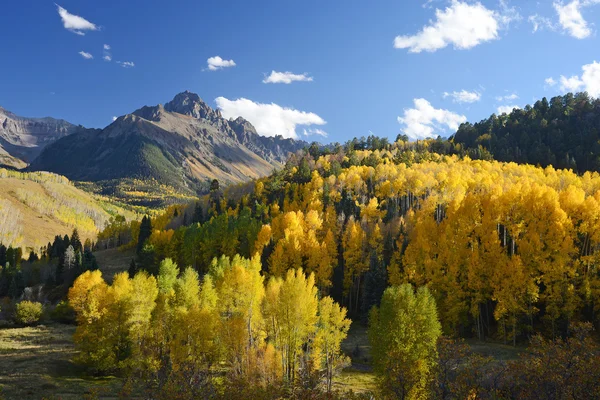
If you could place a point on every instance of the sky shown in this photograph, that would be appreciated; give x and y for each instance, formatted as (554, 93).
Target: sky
(316, 70)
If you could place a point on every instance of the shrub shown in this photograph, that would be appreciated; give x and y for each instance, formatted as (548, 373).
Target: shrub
(28, 312)
(63, 313)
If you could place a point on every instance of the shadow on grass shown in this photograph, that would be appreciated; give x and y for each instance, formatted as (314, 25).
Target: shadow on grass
(35, 363)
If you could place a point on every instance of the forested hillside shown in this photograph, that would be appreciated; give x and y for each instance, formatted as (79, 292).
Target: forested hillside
(563, 132)
(253, 288)
(35, 207)
(507, 249)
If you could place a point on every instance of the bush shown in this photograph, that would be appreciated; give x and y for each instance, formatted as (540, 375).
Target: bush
(63, 313)
(28, 312)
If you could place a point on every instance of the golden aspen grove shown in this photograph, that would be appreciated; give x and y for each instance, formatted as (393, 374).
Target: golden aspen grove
(251, 291)
(253, 287)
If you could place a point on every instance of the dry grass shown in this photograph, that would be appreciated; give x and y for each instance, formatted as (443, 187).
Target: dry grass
(35, 363)
(356, 381)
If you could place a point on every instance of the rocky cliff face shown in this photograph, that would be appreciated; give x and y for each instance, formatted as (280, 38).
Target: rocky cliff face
(22, 139)
(184, 143)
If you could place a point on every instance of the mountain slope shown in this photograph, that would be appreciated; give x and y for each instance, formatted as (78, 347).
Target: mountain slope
(22, 139)
(34, 207)
(183, 144)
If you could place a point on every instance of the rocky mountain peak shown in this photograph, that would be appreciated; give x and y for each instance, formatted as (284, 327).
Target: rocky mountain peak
(188, 103)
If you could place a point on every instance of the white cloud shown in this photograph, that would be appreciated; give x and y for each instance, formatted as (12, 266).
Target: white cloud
(509, 97)
(86, 55)
(126, 64)
(268, 119)
(75, 23)
(215, 63)
(287, 77)
(571, 19)
(461, 24)
(507, 109)
(425, 121)
(315, 131)
(463, 96)
(571, 84)
(114, 118)
(589, 80)
(550, 82)
(540, 23)
(106, 51)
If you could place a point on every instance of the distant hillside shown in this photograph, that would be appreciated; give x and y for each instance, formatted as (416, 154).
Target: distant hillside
(22, 139)
(34, 207)
(183, 144)
(564, 132)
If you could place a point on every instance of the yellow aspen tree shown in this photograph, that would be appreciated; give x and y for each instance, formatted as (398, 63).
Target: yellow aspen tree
(263, 239)
(240, 292)
(89, 298)
(297, 318)
(332, 329)
(355, 260)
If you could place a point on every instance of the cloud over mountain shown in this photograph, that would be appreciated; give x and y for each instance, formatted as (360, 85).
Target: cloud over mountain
(424, 121)
(268, 119)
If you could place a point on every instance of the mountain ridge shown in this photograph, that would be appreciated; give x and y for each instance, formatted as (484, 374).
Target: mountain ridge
(22, 139)
(184, 144)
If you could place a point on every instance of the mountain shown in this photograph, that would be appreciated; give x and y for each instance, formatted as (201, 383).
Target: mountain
(183, 144)
(23, 139)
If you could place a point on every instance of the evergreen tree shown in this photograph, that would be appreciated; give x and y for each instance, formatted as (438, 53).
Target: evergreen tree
(5, 279)
(17, 285)
(145, 233)
(214, 185)
(89, 261)
(3, 258)
(132, 269)
(375, 284)
(66, 241)
(33, 257)
(59, 274)
(198, 214)
(78, 263)
(75, 241)
(147, 259)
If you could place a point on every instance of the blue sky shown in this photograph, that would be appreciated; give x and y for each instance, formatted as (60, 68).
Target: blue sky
(386, 67)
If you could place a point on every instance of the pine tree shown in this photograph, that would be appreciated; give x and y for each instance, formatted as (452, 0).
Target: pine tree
(132, 269)
(198, 215)
(33, 257)
(75, 241)
(145, 233)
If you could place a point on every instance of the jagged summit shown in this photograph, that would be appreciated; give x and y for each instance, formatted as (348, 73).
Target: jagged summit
(188, 103)
(22, 139)
(184, 144)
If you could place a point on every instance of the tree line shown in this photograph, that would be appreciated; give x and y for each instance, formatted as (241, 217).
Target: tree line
(269, 336)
